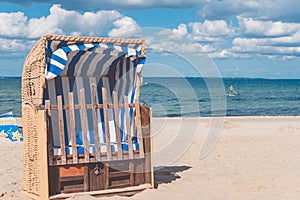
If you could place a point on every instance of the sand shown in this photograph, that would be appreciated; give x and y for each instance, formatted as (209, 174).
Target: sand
(241, 158)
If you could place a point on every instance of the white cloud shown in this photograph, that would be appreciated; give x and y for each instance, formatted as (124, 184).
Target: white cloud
(181, 47)
(263, 46)
(258, 9)
(18, 33)
(182, 29)
(124, 27)
(253, 27)
(286, 10)
(204, 38)
(12, 24)
(210, 37)
(211, 29)
(14, 48)
(61, 21)
(173, 34)
(206, 32)
(185, 38)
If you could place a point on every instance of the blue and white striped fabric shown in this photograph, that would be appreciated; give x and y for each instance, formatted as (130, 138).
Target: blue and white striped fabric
(59, 57)
(71, 67)
(9, 128)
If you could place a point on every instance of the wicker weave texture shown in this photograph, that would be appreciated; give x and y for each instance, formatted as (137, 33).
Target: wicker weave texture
(31, 157)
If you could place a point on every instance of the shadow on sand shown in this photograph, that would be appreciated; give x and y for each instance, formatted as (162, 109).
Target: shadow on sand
(167, 174)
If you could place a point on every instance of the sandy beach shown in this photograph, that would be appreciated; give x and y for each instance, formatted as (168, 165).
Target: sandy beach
(204, 158)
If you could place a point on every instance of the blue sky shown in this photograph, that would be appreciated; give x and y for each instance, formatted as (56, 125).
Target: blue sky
(259, 39)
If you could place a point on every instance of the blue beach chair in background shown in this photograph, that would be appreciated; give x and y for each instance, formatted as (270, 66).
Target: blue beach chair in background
(9, 128)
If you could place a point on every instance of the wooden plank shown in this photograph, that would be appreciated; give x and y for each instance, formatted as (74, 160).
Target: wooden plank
(151, 149)
(110, 192)
(84, 125)
(61, 130)
(117, 120)
(49, 132)
(71, 170)
(86, 178)
(119, 174)
(88, 106)
(106, 123)
(72, 127)
(139, 127)
(97, 176)
(73, 188)
(71, 178)
(54, 180)
(42, 154)
(145, 121)
(95, 122)
(139, 172)
(132, 172)
(128, 129)
(106, 175)
(120, 183)
(81, 159)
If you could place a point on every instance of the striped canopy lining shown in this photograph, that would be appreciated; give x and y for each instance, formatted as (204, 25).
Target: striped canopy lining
(75, 66)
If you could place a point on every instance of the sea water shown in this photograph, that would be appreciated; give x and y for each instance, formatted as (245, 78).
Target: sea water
(175, 97)
(10, 96)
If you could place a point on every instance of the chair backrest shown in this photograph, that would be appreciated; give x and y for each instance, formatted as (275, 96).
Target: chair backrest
(74, 66)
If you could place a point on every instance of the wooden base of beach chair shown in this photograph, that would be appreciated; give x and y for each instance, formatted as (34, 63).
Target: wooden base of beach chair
(96, 176)
(127, 191)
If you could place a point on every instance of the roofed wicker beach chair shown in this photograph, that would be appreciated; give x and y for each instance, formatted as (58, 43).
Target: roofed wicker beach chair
(85, 131)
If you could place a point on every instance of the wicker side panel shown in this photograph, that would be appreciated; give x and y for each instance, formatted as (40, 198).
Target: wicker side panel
(33, 74)
(31, 159)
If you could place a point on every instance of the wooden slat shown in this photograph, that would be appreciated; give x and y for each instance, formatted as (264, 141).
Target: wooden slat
(72, 188)
(81, 160)
(54, 183)
(71, 178)
(151, 149)
(117, 174)
(95, 122)
(106, 123)
(72, 127)
(132, 172)
(61, 130)
(128, 129)
(106, 177)
(71, 170)
(117, 120)
(42, 160)
(139, 172)
(49, 132)
(86, 178)
(120, 183)
(88, 106)
(84, 126)
(96, 181)
(145, 121)
(128, 191)
(139, 127)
